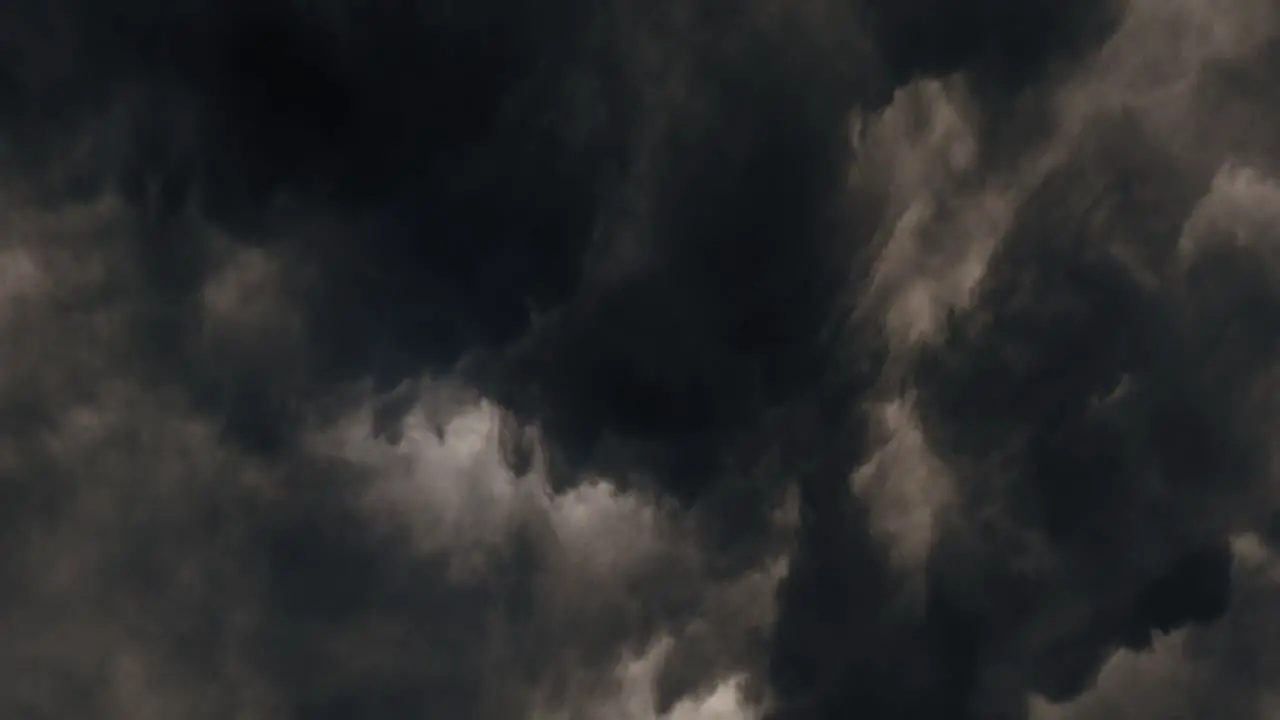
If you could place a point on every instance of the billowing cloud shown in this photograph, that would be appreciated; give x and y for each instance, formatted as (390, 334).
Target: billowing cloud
(645, 360)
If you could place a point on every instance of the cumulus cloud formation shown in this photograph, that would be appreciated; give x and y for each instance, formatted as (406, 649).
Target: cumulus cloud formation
(643, 360)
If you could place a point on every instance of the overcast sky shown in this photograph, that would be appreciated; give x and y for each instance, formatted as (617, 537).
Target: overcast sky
(639, 359)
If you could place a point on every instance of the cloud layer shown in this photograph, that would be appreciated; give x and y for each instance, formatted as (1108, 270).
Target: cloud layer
(643, 360)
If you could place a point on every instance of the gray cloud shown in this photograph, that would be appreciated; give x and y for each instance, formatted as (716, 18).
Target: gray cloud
(576, 361)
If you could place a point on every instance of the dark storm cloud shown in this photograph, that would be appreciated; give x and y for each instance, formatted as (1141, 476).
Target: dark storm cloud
(155, 565)
(1095, 414)
(590, 360)
(1074, 453)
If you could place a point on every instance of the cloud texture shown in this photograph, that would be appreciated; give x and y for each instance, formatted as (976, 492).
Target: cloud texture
(649, 360)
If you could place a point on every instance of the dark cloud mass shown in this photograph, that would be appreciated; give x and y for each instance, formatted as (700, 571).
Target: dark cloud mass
(659, 360)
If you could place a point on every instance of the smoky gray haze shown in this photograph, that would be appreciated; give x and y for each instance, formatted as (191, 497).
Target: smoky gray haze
(639, 359)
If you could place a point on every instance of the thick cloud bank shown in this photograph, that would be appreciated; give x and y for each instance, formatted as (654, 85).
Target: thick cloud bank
(639, 359)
